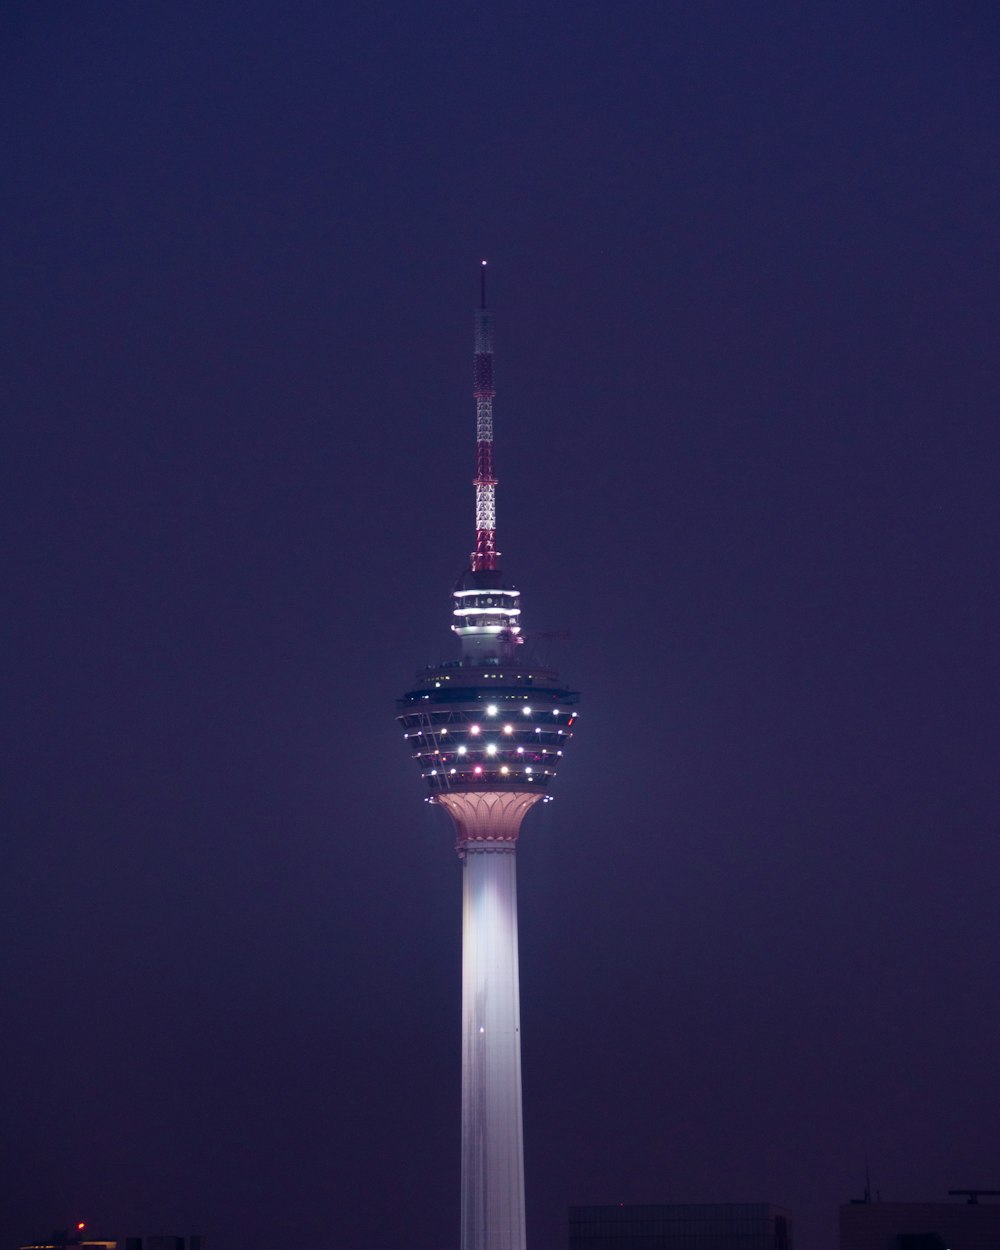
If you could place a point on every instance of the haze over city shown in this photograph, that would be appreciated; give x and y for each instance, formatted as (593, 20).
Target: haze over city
(743, 265)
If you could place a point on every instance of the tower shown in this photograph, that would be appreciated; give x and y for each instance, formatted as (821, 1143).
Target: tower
(488, 732)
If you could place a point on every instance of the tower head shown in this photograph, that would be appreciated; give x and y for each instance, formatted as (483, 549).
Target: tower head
(488, 731)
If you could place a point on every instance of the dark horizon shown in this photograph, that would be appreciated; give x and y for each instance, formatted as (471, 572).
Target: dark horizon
(743, 266)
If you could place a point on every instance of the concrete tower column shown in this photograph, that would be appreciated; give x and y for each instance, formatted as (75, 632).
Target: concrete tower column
(492, 1133)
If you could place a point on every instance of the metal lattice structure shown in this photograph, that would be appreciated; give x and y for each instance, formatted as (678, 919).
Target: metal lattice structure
(485, 556)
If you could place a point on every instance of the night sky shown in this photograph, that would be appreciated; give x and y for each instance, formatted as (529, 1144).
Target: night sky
(744, 266)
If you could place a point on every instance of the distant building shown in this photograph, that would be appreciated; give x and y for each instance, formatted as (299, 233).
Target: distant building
(164, 1243)
(970, 1225)
(682, 1226)
(62, 1240)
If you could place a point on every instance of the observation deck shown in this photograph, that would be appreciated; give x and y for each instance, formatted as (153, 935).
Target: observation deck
(498, 726)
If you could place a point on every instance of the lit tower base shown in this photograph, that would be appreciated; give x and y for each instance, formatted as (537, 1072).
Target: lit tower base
(488, 732)
(492, 1136)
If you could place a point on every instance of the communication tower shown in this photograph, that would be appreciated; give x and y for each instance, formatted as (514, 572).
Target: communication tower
(488, 732)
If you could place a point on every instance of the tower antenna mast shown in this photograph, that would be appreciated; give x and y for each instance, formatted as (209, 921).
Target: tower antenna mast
(485, 556)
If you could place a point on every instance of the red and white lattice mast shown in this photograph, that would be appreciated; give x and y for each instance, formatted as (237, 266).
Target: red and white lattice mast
(486, 608)
(484, 558)
(488, 732)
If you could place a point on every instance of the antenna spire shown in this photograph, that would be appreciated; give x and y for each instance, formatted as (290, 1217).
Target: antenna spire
(485, 555)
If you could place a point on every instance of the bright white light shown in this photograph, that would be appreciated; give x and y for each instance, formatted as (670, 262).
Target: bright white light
(505, 770)
(473, 729)
(555, 711)
(526, 711)
(520, 750)
(528, 771)
(508, 729)
(461, 750)
(497, 611)
(443, 732)
(478, 769)
(491, 749)
(434, 772)
(454, 770)
(491, 710)
(537, 730)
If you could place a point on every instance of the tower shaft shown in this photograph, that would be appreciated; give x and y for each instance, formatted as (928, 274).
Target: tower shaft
(487, 824)
(492, 1136)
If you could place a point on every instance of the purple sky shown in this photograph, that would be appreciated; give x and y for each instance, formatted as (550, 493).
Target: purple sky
(744, 268)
